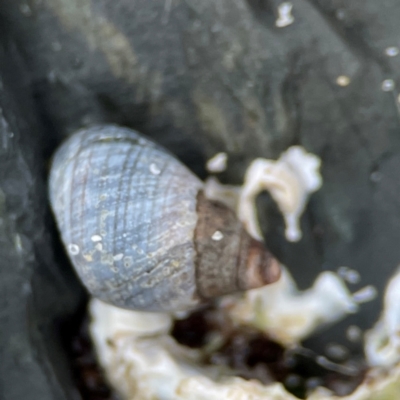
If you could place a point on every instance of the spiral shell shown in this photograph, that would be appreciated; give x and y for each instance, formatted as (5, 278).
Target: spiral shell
(139, 230)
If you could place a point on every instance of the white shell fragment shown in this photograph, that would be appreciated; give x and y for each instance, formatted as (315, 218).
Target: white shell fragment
(343, 80)
(388, 85)
(217, 163)
(288, 315)
(289, 180)
(285, 16)
(392, 51)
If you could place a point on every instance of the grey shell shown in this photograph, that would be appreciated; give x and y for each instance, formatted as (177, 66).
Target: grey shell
(126, 210)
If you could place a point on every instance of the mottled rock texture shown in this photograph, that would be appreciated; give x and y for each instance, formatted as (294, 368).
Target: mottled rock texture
(38, 292)
(198, 76)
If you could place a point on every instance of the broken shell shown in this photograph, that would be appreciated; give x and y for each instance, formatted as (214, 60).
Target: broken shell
(118, 197)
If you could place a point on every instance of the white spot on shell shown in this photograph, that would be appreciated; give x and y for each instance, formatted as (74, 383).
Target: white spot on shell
(343, 80)
(217, 236)
(96, 238)
(388, 85)
(99, 246)
(392, 51)
(285, 16)
(154, 169)
(118, 257)
(73, 249)
(217, 163)
(366, 294)
(88, 257)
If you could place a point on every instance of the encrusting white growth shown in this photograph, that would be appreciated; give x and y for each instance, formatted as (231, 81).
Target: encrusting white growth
(217, 163)
(289, 315)
(290, 180)
(382, 343)
(143, 362)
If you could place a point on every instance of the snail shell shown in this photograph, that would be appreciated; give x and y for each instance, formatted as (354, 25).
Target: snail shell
(139, 230)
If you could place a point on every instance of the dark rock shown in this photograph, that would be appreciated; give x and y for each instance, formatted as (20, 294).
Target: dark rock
(37, 289)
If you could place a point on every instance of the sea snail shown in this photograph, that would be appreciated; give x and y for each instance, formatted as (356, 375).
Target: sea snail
(138, 229)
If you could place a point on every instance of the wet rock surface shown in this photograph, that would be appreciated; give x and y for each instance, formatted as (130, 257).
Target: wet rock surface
(199, 77)
(38, 292)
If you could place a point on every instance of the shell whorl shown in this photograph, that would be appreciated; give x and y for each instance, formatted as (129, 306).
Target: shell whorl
(138, 229)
